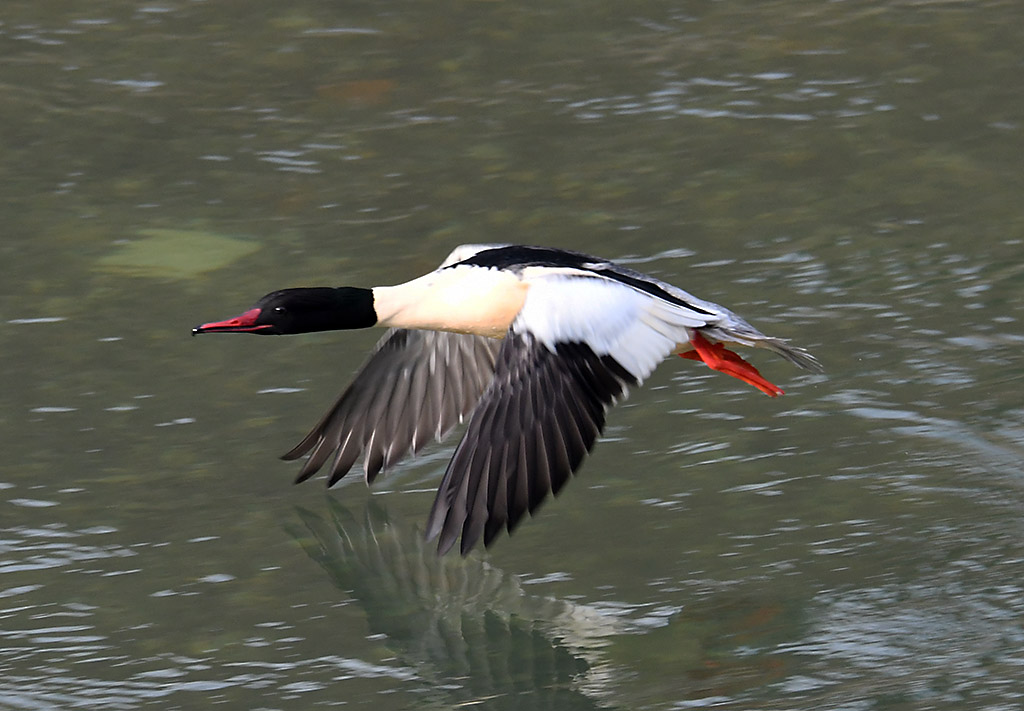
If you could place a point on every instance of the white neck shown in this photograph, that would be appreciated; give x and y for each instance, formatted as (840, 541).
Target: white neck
(463, 299)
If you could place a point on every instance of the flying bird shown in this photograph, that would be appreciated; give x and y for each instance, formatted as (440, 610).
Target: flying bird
(532, 344)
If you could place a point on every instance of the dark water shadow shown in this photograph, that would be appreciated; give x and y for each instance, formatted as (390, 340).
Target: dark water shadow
(469, 630)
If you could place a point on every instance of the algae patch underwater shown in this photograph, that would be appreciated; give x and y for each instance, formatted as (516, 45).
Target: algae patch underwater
(175, 254)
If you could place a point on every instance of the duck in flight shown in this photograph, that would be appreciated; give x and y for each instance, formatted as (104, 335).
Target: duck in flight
(533, 344)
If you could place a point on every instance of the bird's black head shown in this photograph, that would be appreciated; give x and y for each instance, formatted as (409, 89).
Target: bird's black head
(301, 311)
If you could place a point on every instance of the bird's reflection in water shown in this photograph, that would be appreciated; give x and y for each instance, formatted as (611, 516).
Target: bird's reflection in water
(467, 628)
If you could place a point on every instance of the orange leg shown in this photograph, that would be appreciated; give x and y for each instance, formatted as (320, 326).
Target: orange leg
(718, 357)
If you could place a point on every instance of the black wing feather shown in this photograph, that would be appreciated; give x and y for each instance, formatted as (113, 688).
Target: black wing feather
(536, 422)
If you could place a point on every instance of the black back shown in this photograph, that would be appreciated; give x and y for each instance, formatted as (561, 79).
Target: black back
(518, 257)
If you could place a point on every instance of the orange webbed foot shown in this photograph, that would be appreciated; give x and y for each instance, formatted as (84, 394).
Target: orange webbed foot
(717, 357)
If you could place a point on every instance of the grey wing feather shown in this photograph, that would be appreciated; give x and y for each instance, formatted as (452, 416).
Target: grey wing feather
(415, 387)
(539, 418)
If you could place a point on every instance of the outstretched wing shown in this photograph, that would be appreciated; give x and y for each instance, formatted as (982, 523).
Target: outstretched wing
(415, 387)
(575, 347)
(537, 421)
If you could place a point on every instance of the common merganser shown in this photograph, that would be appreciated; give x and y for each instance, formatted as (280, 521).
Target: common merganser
(533, 343)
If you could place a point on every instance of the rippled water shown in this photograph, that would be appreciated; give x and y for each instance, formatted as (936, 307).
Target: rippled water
(846, 175)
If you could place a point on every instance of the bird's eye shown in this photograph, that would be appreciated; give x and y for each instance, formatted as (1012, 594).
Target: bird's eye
(279, 310)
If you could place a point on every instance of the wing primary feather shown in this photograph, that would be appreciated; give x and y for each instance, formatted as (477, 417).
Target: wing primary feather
(518, 487)
(407, 392)
(455, 516)
(321, 453)
(530, 431)
(399, 423)
(438, 398)
(344, 459)
(560, 466)
(478, 482)
(476, 505)
(491, 488)
(572, 439)
(497, 505)
(508, 470)
(539, 473)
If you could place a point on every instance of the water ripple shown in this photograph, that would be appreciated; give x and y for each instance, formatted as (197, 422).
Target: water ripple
(778, 96)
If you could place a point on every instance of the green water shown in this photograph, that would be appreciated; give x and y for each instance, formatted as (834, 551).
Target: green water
(844, 174)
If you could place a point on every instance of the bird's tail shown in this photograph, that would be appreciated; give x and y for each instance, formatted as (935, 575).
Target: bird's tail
(744, 334)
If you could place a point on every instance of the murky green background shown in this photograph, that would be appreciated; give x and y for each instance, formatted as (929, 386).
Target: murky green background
(846, 174)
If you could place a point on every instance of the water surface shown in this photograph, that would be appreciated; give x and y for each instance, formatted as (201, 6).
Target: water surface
(846, 175)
